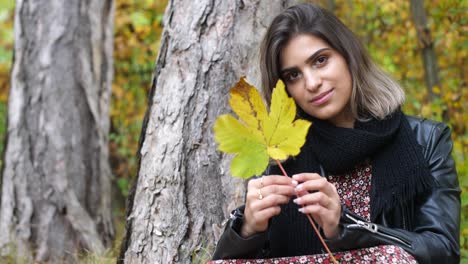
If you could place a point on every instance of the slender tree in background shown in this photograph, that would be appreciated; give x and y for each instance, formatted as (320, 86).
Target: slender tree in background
(431, 71)
(184, 190)
(331, 5)
(56, 178)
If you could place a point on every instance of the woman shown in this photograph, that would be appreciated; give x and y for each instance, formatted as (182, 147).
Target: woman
(368, 174)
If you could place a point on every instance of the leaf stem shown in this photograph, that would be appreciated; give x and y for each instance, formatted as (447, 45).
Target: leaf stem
(311, 221)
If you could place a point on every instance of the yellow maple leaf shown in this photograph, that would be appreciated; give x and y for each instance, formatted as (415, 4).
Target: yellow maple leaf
(259, 135)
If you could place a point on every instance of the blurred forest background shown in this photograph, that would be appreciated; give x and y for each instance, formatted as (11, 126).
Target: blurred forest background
(386, 28)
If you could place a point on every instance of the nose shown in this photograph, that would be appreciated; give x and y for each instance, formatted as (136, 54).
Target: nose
(312, 81)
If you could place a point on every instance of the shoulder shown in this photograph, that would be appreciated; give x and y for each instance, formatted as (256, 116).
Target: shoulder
(426, 130)
(429, 133)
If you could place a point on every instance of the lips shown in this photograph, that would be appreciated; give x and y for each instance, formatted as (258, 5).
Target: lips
(322, 98)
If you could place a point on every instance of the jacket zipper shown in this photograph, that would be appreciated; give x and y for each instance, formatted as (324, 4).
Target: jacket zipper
(373, 228)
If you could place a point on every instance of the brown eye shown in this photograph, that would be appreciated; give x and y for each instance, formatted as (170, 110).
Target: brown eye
(321, 60)
(292, 76)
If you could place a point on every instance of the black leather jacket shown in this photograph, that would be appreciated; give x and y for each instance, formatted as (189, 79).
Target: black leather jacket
(428, 228)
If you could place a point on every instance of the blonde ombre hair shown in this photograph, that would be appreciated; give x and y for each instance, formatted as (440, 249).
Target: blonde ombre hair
(374, 93)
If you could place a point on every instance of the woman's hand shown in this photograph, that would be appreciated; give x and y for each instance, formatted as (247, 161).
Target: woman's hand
(264, 197)
(320, 199)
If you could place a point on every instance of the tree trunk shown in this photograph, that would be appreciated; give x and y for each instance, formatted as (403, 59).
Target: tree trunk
(426, 43)
(56, 176)
(184, 190)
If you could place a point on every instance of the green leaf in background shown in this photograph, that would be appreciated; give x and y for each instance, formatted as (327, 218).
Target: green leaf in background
(464, 199)
(7, 4)
(4, 14)
(124, 185)
(139, 19)
(5, 56)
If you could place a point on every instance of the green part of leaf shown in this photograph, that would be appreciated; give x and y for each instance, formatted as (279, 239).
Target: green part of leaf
(252, 161)
(233, 136)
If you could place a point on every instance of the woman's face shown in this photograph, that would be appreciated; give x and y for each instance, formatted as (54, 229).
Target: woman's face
(318, 79)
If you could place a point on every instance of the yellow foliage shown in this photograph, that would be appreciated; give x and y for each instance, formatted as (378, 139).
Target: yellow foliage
(259, 135)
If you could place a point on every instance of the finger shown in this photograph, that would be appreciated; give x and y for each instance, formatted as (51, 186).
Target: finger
(287, 190)
(320, 184)
(269, 201)
(261, 193)
(314, 209)
(266, 214)
(301, 193)
(276, 180)
(322, 215)
(315, 198)
(258, 220)
(302, 177)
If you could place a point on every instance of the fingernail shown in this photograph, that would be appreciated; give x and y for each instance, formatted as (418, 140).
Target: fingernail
(294, 182)
(295, 176)
(301, 210)
(299, 188)
(297, 200)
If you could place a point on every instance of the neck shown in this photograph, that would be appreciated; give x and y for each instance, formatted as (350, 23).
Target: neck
(345, 120)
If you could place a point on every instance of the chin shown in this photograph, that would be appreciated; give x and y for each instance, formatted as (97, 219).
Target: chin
(323, 115)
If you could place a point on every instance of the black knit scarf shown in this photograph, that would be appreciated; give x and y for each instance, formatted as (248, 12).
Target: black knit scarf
(399, 172)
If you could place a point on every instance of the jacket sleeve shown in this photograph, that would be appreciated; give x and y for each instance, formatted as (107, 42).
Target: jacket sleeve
(435, 237)
(232, 246)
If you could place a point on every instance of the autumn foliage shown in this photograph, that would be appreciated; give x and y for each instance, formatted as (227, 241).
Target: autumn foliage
(138, 26)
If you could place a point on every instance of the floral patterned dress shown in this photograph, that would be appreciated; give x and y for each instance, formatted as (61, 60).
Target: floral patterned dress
(353, 189)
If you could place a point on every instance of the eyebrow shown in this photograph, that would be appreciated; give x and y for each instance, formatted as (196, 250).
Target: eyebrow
(308, 60)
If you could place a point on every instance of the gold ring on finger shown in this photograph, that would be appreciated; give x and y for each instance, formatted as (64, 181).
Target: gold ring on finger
(260, 196)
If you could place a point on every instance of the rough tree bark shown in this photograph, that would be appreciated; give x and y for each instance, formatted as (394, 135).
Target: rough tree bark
(56, 177)
(431, 71)
(184, 190)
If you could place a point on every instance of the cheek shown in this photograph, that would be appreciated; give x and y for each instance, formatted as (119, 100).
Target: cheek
(293, 91)
(345, 92)
(345, 80)
(287, 90)
(348, 82)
